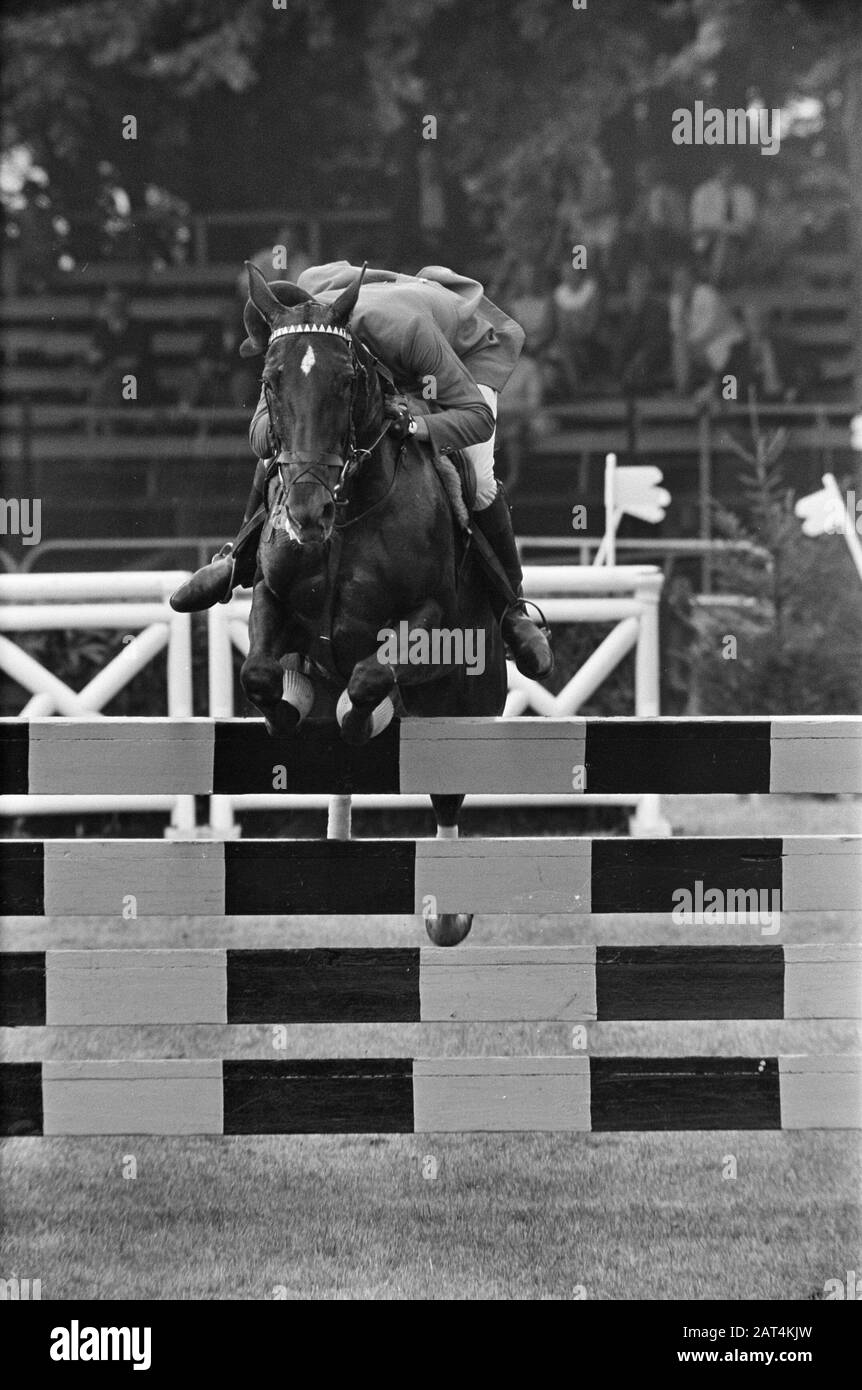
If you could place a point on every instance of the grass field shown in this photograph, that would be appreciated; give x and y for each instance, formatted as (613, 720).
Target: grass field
(618, 1216)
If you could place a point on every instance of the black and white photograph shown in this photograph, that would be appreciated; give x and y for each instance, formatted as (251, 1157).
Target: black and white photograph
(431, 669)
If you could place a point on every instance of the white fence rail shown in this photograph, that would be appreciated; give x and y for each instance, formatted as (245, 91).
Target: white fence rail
(136, 603)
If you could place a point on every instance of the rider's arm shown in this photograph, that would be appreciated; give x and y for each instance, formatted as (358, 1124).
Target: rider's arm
(463, 415)
(258, 433)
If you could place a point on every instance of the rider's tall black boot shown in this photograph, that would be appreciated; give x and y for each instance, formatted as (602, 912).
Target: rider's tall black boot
(234, 565)
(527, 642)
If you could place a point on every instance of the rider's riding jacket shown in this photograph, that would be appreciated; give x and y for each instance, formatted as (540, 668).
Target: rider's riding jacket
(439, 336)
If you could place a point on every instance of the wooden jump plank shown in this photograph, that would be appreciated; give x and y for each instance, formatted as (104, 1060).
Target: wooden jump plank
(498, 1094)
(624, 756)
(820, 979)
(821, 1093)
(153, 756)
(430, 1095)
(135, 987)
(407, 984)
(704, 879)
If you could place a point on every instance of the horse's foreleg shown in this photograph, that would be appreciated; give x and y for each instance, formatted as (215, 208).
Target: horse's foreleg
(375, 676)
(262, 675)
(447, 809)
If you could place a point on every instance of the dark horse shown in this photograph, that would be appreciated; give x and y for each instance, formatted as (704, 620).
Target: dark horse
(359, 537)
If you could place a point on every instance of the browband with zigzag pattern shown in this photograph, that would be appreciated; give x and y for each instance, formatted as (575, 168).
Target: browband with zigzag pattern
(309, 328)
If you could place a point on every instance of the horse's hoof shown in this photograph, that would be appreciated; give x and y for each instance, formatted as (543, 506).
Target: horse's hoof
(450, 928)
(298, 690)
(357, 725)
(282, 720)
(357, 728)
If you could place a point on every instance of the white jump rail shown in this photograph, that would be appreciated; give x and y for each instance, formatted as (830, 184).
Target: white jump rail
(134, 603)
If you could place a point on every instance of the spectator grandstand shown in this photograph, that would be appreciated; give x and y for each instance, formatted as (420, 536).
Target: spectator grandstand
(184, 471)
(647, 281)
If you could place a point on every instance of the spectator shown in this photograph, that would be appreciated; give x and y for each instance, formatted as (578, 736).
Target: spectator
(431, 201)
(772, 366)
(587, 214)
(642, 350)
(286, 259)
(519, 417)
(657, 225)
(577, 309)
(723, 214)
(569, 219)
(530, 305)
(520, 405)
(599, 214)
(169, 227)
(778, 233)
(219, 376)
(33, 238)
(114, 208)
(703, 329)
(824, 194)
(120, 348)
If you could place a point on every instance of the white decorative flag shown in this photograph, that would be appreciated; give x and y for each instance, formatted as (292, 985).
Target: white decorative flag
(822, 513)
(826, 513)
(638, 492)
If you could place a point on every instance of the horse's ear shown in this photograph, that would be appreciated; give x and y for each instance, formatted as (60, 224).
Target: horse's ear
(261, 295)
(340, 311)
(264, 305)
(257, 329)
(288, 294)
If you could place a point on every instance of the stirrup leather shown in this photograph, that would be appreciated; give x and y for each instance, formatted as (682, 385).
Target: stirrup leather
(523, 603)
(226, 553)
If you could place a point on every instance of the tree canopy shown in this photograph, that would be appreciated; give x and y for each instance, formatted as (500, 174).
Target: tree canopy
(300, 103)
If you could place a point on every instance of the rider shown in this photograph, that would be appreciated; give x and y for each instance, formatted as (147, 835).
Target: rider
(441, 338)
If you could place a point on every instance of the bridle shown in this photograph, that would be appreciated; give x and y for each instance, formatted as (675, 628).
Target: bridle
(351, 457)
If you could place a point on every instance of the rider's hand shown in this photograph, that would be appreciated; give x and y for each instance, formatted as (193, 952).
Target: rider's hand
(397, 411)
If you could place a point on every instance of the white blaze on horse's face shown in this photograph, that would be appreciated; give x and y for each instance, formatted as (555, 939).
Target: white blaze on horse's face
(308, 360)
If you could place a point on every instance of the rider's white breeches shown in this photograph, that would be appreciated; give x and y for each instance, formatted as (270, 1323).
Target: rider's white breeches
(481, 458)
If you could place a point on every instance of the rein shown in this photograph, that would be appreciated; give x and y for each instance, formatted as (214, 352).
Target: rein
(343, 525)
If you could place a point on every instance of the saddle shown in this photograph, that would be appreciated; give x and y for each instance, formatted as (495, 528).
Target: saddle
(453, 470)
(459, 481)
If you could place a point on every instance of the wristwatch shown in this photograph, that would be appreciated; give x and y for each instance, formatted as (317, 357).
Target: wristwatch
(412, 427)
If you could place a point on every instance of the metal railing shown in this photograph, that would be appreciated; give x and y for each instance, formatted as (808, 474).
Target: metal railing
(199, 550)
